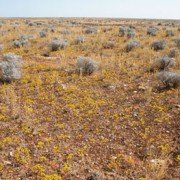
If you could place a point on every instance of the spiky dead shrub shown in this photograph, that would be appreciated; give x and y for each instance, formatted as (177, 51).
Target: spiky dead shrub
(169, 79)
(10, 67)
(177, 42)
(131, 45)
(58, 44)
(158, 45)
(91, 30)
(86, 66)
(109, 45)
(152, 31)
(173, 53)
(122, 31)
(163, 63)
(169, 33)
(79, 40)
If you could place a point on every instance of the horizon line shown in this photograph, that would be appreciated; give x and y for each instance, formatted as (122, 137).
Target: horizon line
(90, 17)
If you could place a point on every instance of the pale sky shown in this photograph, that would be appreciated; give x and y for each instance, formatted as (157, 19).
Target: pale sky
(161, 9)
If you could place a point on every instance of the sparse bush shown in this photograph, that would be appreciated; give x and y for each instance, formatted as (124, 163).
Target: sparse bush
(91, 30)
(131, 45)
(169, 33)
(43, 34)
(107, 28)
(1, 47)
(169, 79)
(130, 33)
(16, 44)
(132, 27)
(79, 40)
(177, 42)
(163, 63)
(86, 66)
(173, 53)
(10, 67)
(109, 45)
(31, 24)
(58, 44)
(1, 24)
(21, 41)
(66, 32)
(152, 31)
(158, 45)
(122, 31)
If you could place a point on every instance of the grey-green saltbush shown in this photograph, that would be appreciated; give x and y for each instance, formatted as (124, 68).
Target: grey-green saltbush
(86, 66)
(169, 79)
(11, 67)
(131, 45)
(58, 44)
(158, 45)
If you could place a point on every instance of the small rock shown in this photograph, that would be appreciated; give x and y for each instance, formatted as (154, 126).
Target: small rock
(177, 105)
(142, 88)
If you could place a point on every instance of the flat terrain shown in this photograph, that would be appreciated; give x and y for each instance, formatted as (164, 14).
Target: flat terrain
(118, 123)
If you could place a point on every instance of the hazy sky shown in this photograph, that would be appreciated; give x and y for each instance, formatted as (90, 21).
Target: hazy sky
(91, 8)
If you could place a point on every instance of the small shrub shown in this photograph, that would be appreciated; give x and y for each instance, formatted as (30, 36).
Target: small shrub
(10, 67)
(86, 66)
(107, 28)
(152, 31)
(58, 44)
(16, 44)
(169, 79)
(131, 45)
(66, 32)
(109, 45)
(169, 33)
(91, 30)
(79, 40)
(173, 53)
(130, 33)
(177, 42)
(158, 45)
(1, 47)
(122, 31)
(31, 24)
(43, 34)
(163, 63)
(21, 41)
